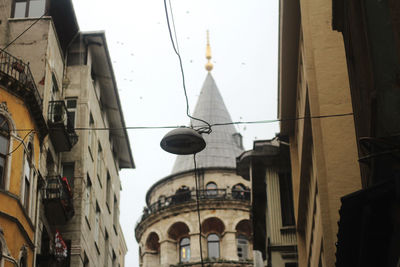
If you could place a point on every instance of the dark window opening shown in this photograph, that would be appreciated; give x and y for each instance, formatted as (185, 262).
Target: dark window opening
(4, 146)
(68, 171)
(285, 186)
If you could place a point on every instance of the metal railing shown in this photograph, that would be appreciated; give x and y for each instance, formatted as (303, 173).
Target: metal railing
(58, 114)
(18, 71)
(190, 195)
(58, 189)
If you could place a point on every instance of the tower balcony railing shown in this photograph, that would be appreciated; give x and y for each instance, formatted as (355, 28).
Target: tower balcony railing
(16, 77)
(61, 129)
(58, 200)
(186, 196)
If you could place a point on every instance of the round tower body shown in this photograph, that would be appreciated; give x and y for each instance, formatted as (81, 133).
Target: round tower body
(169, 231)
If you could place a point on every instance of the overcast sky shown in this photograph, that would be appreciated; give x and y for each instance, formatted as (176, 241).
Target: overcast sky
(244, 44)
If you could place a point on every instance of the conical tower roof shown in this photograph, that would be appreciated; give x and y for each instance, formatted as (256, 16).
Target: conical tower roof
(224, 143)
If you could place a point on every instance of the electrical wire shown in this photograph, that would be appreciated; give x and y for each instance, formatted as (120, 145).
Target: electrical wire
(209, 130)
(196, 181)
(21, 142)
(27, 29)
(173, 25)
(212, 125)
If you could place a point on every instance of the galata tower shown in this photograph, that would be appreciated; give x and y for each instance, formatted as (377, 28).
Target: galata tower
(177, 227)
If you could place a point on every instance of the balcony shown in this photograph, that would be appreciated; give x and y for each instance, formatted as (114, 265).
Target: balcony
(190, 196)
(57, 200)
(61, 130)
(16, 77)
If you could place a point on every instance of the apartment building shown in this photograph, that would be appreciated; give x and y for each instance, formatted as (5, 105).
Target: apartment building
(76, 222)
(317, 118)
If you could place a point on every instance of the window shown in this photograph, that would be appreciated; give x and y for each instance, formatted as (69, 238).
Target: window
(285, 186)
(97, 224)
(68, 171)
(108, 192)
(242, 247)
(54, 88)
(213, 246)
(85, 260)
(71, 111)
(99, 164)
(88, 197)
(238, 191)
(27, 177)
(91, 135)
(182, 194)
(115, 215)
(106, 248)
(211, 189)
(4, 146)
(28, 8)
(184, 249)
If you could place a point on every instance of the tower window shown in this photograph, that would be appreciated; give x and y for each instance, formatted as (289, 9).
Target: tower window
(213, 246)
(184, 249)
(211, 189)
(242, 247)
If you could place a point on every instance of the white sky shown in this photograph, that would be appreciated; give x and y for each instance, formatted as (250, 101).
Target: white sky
(244, 43)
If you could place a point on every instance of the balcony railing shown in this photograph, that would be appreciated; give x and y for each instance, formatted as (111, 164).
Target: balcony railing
(61, 129)
(16, 76)
(57, 199)
(190, 195)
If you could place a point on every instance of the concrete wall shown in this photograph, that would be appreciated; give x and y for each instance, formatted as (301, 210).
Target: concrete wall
(323, 150)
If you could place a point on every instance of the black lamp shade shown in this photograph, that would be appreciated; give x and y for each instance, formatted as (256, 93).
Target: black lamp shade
(183, 141)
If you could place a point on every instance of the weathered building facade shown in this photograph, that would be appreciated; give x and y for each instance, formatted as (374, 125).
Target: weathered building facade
(170, 231)
(75, 183)
(317, 117)
(267, 167)
(368, 227)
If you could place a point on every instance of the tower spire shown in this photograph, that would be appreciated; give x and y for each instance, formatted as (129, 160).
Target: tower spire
(209, 65)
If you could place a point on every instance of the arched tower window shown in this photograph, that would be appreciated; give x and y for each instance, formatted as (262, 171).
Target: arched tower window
(213, 246)
(242, 247)
(182, 195)
(4, 146)
(239, 192)
(184, 249)
(179, 232)
(211, 189)
(243, 236)
(151, 249)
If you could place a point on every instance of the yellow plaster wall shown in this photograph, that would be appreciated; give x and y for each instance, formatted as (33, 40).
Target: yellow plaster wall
(10, 204)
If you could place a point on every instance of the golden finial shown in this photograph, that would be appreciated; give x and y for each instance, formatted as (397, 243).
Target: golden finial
(209, 65)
